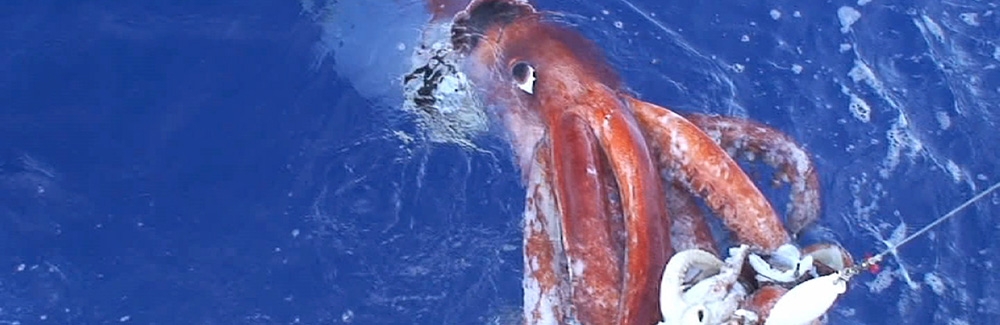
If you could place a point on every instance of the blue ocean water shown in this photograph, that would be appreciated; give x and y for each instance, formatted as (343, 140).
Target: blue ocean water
(250, 163)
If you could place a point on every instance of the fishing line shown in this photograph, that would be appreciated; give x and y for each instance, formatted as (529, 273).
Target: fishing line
(813, 298)
(868, 262)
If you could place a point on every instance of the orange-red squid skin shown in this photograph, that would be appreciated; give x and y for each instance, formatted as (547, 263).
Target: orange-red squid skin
(762, 300)
(598, 164)
(586, 129)
(755, 141)
(711, 173)
(688, 227)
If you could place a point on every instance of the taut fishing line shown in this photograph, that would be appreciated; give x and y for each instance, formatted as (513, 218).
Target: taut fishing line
(868, 262)
(811, 299)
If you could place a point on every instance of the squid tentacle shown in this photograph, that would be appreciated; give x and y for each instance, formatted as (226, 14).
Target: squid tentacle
(753, 140)
(544, 283)
(672, 303)
(593, 255)
(711, 173)
(688, 226)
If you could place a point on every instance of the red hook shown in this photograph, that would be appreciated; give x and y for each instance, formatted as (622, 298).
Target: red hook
(873, 268)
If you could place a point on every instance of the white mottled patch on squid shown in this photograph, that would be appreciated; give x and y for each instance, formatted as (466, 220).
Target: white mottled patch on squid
(532, 291)
(800, 158)
(541, 305)
(533, 263)
(540, 215)
(679, 147)
(532, 221)
(578, 267)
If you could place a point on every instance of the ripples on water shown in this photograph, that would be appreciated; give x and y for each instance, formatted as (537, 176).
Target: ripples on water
(898, 101)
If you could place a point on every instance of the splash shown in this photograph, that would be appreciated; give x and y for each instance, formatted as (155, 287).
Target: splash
(394, 56)
(439, 94)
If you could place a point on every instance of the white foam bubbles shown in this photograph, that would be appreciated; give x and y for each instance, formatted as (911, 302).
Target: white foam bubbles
(943, 119)
(970, 18)
(935, 283)
(775, 14)
(848, 16)
(881, 282)
(860, 109)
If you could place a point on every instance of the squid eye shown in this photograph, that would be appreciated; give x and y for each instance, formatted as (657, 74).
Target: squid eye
(524, 76)
(695, 315)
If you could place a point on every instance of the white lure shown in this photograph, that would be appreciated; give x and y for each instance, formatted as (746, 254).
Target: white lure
(807, 301)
